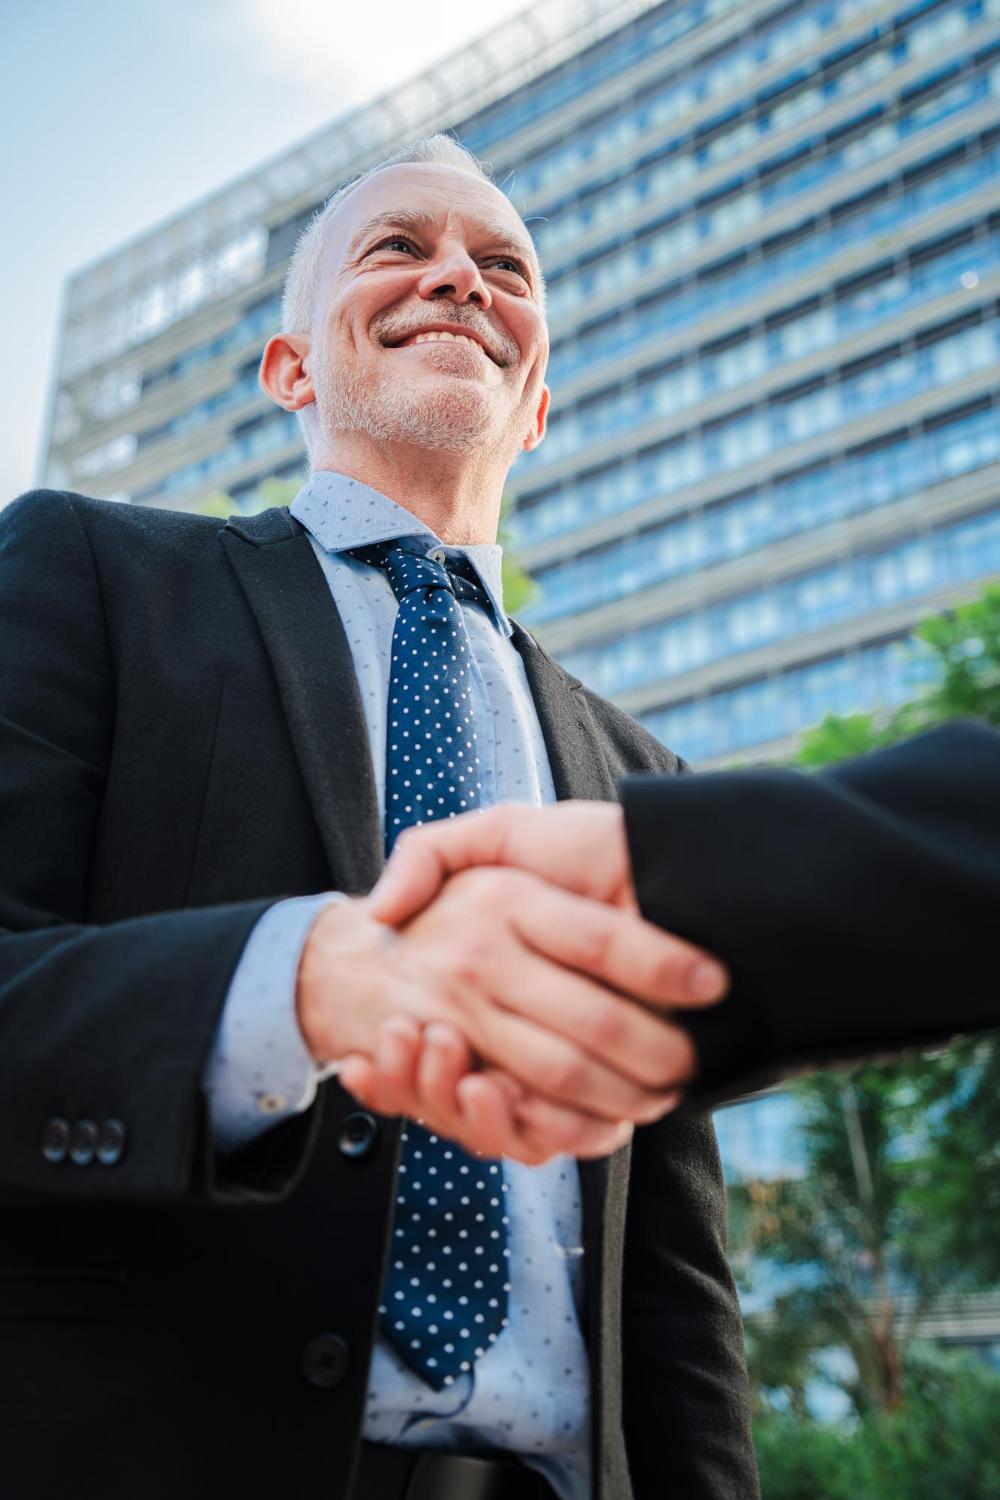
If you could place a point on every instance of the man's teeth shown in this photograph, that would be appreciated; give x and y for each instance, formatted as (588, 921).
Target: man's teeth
(457, 338)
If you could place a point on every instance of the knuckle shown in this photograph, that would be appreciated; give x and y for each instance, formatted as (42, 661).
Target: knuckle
(594, 943)
(562, 1074)
(603, 1027)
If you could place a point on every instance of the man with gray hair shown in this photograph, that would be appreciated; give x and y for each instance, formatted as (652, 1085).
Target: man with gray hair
(237, 1281)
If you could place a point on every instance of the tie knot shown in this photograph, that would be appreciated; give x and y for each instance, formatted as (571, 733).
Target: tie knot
(409, 571)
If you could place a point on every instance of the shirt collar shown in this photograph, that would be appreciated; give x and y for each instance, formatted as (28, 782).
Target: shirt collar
(342, 513)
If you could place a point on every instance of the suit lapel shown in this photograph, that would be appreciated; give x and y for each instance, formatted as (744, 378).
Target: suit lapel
(304, 637)
(579, 768)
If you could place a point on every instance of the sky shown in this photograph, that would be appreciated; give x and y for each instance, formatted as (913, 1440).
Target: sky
(115, 114)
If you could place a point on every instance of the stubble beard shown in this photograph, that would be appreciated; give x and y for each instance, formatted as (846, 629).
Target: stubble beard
(447, 415)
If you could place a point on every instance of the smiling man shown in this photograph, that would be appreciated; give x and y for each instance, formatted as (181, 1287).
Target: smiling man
(223, 1276)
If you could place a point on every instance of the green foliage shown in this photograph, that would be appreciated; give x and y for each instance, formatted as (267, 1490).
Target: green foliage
(941, 1445)
(899, 1200)
(963, 647)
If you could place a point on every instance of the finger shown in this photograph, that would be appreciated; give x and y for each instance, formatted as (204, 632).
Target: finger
(579, 845)
(547, 1130)
(445, 1058)
(618, 948)
(555, 1066)
(489, 1116)
(638, 1043)
(419, 864)
(356, 1074)
(396, 1054)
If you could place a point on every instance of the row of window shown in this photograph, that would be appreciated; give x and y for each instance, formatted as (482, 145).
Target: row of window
(690, 381)
(723, 447)
(660, 29)
(842, 487)
(893, 207)
(679, 304)
(737, 719)
(681, 239)
(273, 431)
(729, 70)
(259, 319)
(679, 165)
(815, 600)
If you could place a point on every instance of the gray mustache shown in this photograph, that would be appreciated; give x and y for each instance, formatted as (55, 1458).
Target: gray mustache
(504, 350)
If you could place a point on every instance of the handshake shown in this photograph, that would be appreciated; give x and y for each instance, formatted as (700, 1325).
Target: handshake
(500, 985)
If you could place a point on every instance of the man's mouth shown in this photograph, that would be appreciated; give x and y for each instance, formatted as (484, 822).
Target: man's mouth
(443, 336)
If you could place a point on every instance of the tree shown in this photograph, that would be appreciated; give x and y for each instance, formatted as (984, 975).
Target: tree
(900, 1196)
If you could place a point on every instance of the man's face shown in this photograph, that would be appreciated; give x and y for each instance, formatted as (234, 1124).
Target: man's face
(415, 254)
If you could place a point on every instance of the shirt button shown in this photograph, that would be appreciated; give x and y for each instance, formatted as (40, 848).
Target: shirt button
(358, 1135)
(438, 555)
(271, 1104)
(111, 1143)
(325, 1359)
(55, 1140)
(83, 1143)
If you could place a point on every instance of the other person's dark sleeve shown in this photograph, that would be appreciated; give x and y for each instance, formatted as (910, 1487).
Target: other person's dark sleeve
(858, 909)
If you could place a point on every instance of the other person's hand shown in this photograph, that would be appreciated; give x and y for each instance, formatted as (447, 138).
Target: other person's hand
(581, 846)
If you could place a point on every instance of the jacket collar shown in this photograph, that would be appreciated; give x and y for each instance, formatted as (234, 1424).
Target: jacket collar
(302, 632)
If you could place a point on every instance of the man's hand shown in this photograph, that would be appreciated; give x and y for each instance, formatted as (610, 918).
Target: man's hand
(537, 980)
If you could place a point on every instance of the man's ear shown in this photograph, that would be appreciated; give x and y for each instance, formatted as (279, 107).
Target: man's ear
(283, 373)
(534, 437)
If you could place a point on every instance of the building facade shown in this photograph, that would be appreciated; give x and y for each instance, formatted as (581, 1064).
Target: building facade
(771, 234)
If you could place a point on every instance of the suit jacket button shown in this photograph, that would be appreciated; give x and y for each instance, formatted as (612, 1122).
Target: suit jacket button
(325, 1359)
(111, 1143)
(84, 1139)
(55, 1140)
(358, 1134)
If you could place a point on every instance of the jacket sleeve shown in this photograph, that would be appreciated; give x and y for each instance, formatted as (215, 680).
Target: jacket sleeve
(97, 1024)
(857, 908)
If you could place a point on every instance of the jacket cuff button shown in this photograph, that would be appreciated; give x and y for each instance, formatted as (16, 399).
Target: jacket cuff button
(82, 1143)
(55, 1140)
(111, 1141)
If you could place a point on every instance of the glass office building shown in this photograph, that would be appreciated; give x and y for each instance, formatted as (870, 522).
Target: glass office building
(771, 234)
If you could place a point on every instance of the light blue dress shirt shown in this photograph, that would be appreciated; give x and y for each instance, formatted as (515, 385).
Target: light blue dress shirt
(529, 1394)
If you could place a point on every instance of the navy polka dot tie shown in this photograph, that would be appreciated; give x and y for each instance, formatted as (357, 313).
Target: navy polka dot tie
(445, 1296)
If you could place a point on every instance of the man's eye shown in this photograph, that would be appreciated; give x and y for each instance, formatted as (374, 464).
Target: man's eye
(396, 243)
(504, 263)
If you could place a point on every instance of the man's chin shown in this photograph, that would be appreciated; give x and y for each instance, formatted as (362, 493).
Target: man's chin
(447, 416)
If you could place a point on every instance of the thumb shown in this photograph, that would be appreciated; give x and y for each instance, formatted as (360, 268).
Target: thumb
(411, 879)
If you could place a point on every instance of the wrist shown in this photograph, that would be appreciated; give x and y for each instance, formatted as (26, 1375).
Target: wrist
(335, 982)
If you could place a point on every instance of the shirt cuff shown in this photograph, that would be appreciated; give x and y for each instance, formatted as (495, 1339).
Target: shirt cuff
(260, 1071)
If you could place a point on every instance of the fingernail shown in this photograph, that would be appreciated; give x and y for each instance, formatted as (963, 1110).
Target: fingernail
(437, 1033)
(706, 980)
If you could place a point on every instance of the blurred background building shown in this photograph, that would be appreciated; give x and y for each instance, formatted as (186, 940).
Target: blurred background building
(772, 239)
(771, 233)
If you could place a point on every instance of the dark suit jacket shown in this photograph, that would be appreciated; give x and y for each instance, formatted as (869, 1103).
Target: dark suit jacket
(858, 909)
(182, 743)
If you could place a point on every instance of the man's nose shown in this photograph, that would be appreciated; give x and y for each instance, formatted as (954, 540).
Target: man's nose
(455, 277)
